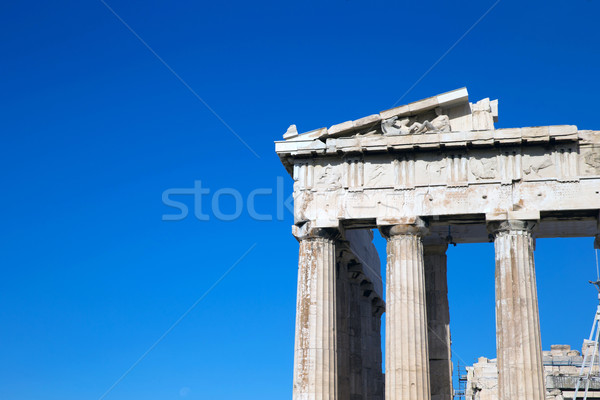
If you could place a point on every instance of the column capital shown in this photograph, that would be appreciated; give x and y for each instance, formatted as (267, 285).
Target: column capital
(418, 227)
(406, 336)
(315, 348)
(497, 227)
(435, 248)
(307, 232)
(518, 340)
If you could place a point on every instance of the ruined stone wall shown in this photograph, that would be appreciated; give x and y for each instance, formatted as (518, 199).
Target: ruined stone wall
(561, 370)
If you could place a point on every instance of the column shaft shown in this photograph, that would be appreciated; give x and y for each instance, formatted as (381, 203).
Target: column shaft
(406, 355)
(438, 322)
(518, 340)
(344, 326)
(315, 358)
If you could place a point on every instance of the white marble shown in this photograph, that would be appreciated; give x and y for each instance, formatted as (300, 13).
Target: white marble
(519, 348)
(439, 162)
(315, 355)
(406, 337)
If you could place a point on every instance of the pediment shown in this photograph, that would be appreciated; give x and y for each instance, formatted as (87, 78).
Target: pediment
(446, 112)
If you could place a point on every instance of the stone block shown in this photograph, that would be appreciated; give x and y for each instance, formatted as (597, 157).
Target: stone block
(367, 122)
(393, 112)
(339, 128)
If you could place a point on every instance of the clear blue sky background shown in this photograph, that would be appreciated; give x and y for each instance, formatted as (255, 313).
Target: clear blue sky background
(94, 128)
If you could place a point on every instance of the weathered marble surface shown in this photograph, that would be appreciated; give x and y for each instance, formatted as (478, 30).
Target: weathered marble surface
(356, 174)
(338, 316)
(439, 162)
(482, 380)
(561, 370)
(406, 336)
(315, 353)
(519, 344)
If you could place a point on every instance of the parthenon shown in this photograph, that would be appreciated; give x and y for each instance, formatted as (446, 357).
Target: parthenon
(416, 172)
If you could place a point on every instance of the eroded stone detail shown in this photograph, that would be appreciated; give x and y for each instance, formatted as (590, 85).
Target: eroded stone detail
(407, 357)
(304, 174)
(329, 178)
(535, 165)
(404, 126)
(404, 172)
(315, 354)
(353, 176)
(561, 372)
(485, 168)
(442, 162)
(511, 168)
(517, 317)
(566, 163)
(483, 114)
(457, 169)
(592, 160)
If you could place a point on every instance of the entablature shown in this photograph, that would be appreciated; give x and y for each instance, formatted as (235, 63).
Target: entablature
(375, 170)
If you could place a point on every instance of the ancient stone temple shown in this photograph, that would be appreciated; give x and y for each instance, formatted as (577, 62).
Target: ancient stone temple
(425, 174)
(561, 372)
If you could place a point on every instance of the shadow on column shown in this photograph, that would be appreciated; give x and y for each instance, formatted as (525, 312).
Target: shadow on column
(359, 310)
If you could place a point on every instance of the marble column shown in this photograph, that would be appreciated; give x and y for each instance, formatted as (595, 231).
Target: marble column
(315, 358)
(438, 322)
(347, 323)
(359, 311)
(406, 356)
(518, 341)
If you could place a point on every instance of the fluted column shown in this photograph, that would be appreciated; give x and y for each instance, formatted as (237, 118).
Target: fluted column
(315, 358)
(438, 321)
(346, 307)
(406, 356)
(518, 340)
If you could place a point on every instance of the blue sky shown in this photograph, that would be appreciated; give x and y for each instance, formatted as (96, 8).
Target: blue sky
(94, 128)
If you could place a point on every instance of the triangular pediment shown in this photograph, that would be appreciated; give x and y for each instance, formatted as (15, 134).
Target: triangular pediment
(446, 112)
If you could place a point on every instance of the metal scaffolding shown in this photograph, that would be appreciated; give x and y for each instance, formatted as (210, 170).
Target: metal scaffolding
(590, 368)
